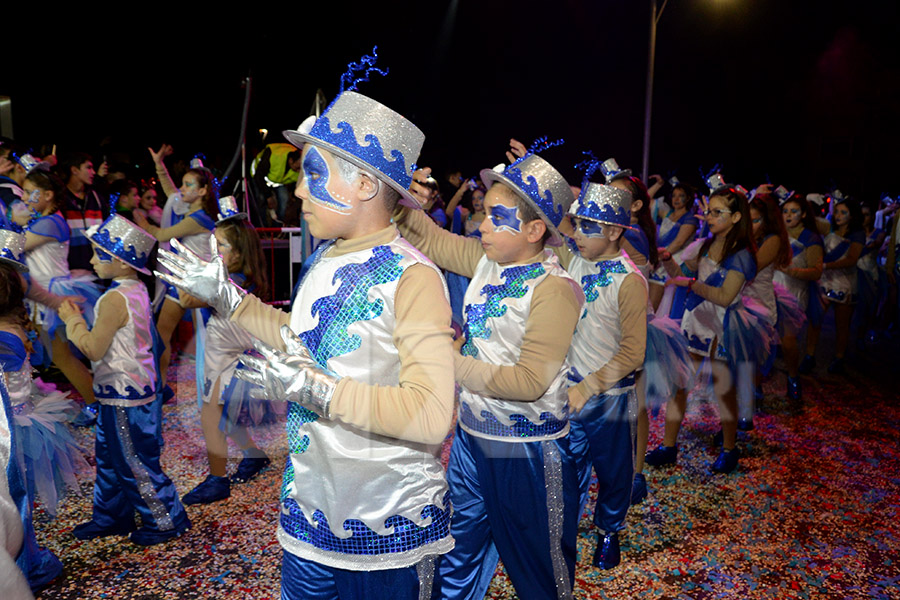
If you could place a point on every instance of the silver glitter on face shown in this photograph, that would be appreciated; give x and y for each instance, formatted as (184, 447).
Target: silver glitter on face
(145, 485)
(555, 515)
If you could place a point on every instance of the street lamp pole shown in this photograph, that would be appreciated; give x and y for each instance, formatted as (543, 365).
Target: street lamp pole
(648, 105)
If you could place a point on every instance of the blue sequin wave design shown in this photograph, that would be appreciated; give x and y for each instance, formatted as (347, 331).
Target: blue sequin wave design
(130, 393)
(490, 425)
(606, 214)
(7, 253)
(117, 247)
(350, 304)
(297, 416)
(543, 200)
(590, 283)
(478, 314)
(372, 153)
(363, 541)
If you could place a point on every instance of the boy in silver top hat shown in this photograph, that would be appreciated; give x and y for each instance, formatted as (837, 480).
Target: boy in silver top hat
(126, 384)
(365, 360)
(512, 481)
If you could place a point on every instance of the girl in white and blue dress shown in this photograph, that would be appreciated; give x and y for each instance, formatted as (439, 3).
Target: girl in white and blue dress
(192, 226)
(838, 286)
(799, 279)
(228, 407)
(716, 323)
(46, 252)
(667, 366)
(45, 451)
(676, 230)
(872, 283)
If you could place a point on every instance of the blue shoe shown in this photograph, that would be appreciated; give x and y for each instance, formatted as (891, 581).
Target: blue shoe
(807, 365)
(146, 536)
(638, 488)
(212, 489)
(87, 416)
(745, 424)
(664, 455)
(793, 388)
(168, 394)
(90, 530)
(727, 461)
(607, 554)
(249, 468)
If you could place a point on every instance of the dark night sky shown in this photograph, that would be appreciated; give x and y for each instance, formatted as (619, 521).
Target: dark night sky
(806, 92)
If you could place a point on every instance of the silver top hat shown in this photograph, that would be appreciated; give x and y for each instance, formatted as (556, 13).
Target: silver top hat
(368, 134)
(715, 181)
(611, 171)
(673, 181)
(28, 162)
(782, 193)
(124, 240)
(228, 210)
(12, 249)
(535, 180)
(196, 163)
(603, 204)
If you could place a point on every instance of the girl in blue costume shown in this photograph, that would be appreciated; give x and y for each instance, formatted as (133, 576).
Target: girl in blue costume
(798, 278)
(198, 196)
(46, 253)
(676, 230)
(872, 283)
(45, 453)
(838, 287)
(466, 210)
(667, 366)
(716, 322)
(227, 404)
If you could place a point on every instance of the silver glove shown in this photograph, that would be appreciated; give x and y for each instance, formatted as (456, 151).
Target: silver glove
(207, 281)
(292, 376)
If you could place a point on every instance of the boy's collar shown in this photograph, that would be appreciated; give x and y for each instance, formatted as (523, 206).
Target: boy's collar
(377, 238)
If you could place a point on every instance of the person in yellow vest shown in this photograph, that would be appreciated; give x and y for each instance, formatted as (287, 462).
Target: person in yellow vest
(275, 171)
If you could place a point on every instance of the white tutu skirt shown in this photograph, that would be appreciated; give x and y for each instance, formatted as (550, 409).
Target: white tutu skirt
(668, 366)
(46, 451)
(244, 406)
(791, 316)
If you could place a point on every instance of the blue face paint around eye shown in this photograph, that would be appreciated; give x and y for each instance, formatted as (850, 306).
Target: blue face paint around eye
(34, 197)
(505, 218)
(316, 172)
(103, 256)
(591, 229)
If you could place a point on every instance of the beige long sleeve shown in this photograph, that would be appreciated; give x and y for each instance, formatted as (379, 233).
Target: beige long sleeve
(165, 180)
(112, 314)
(447, 250)
(548, 333)
(185, 227)
(261, 320)
(632, 299)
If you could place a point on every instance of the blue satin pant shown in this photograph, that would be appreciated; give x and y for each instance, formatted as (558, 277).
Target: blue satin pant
(602, 436)
(129, 476)
(303, 579)
(517, 501)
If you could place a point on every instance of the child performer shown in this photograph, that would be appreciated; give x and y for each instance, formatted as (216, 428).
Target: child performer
(607, 348)
(799, 277)
(121, 348)
(46, 252)
(724, 263)
(366, 365)
(226, 343)
(512, 479)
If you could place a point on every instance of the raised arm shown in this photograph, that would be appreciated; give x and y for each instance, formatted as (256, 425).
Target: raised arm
(162, 173)
(448, 251)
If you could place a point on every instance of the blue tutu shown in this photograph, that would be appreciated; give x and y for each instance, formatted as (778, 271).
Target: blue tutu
(45, 449)
(668, 366)
(790, 317)
(70, 285)
(244, 406)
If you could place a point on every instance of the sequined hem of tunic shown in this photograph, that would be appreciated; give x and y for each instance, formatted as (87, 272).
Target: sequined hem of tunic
(363, 562)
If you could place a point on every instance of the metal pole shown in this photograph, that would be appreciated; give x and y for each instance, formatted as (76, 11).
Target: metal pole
(648, 105)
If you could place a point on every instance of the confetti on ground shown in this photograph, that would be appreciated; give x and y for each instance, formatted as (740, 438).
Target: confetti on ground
(811, 512)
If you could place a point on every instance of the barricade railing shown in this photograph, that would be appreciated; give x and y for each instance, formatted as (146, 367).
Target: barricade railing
(292, 239)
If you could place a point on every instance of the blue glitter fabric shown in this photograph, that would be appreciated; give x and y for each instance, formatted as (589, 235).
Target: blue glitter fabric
(602, 278)
(350, 304)
(117, 247)
(606, 214)
(297, 416)
(406, 536)
(130, 393)
(478, 314)
(7, 254)
(521, 428)
(544, 200)
(372, 153)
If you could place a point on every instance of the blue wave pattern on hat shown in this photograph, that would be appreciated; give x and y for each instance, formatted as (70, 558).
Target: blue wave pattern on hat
(7, 253)
(606, 213)
(117, 248)
(543, 200)
(372, 154)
